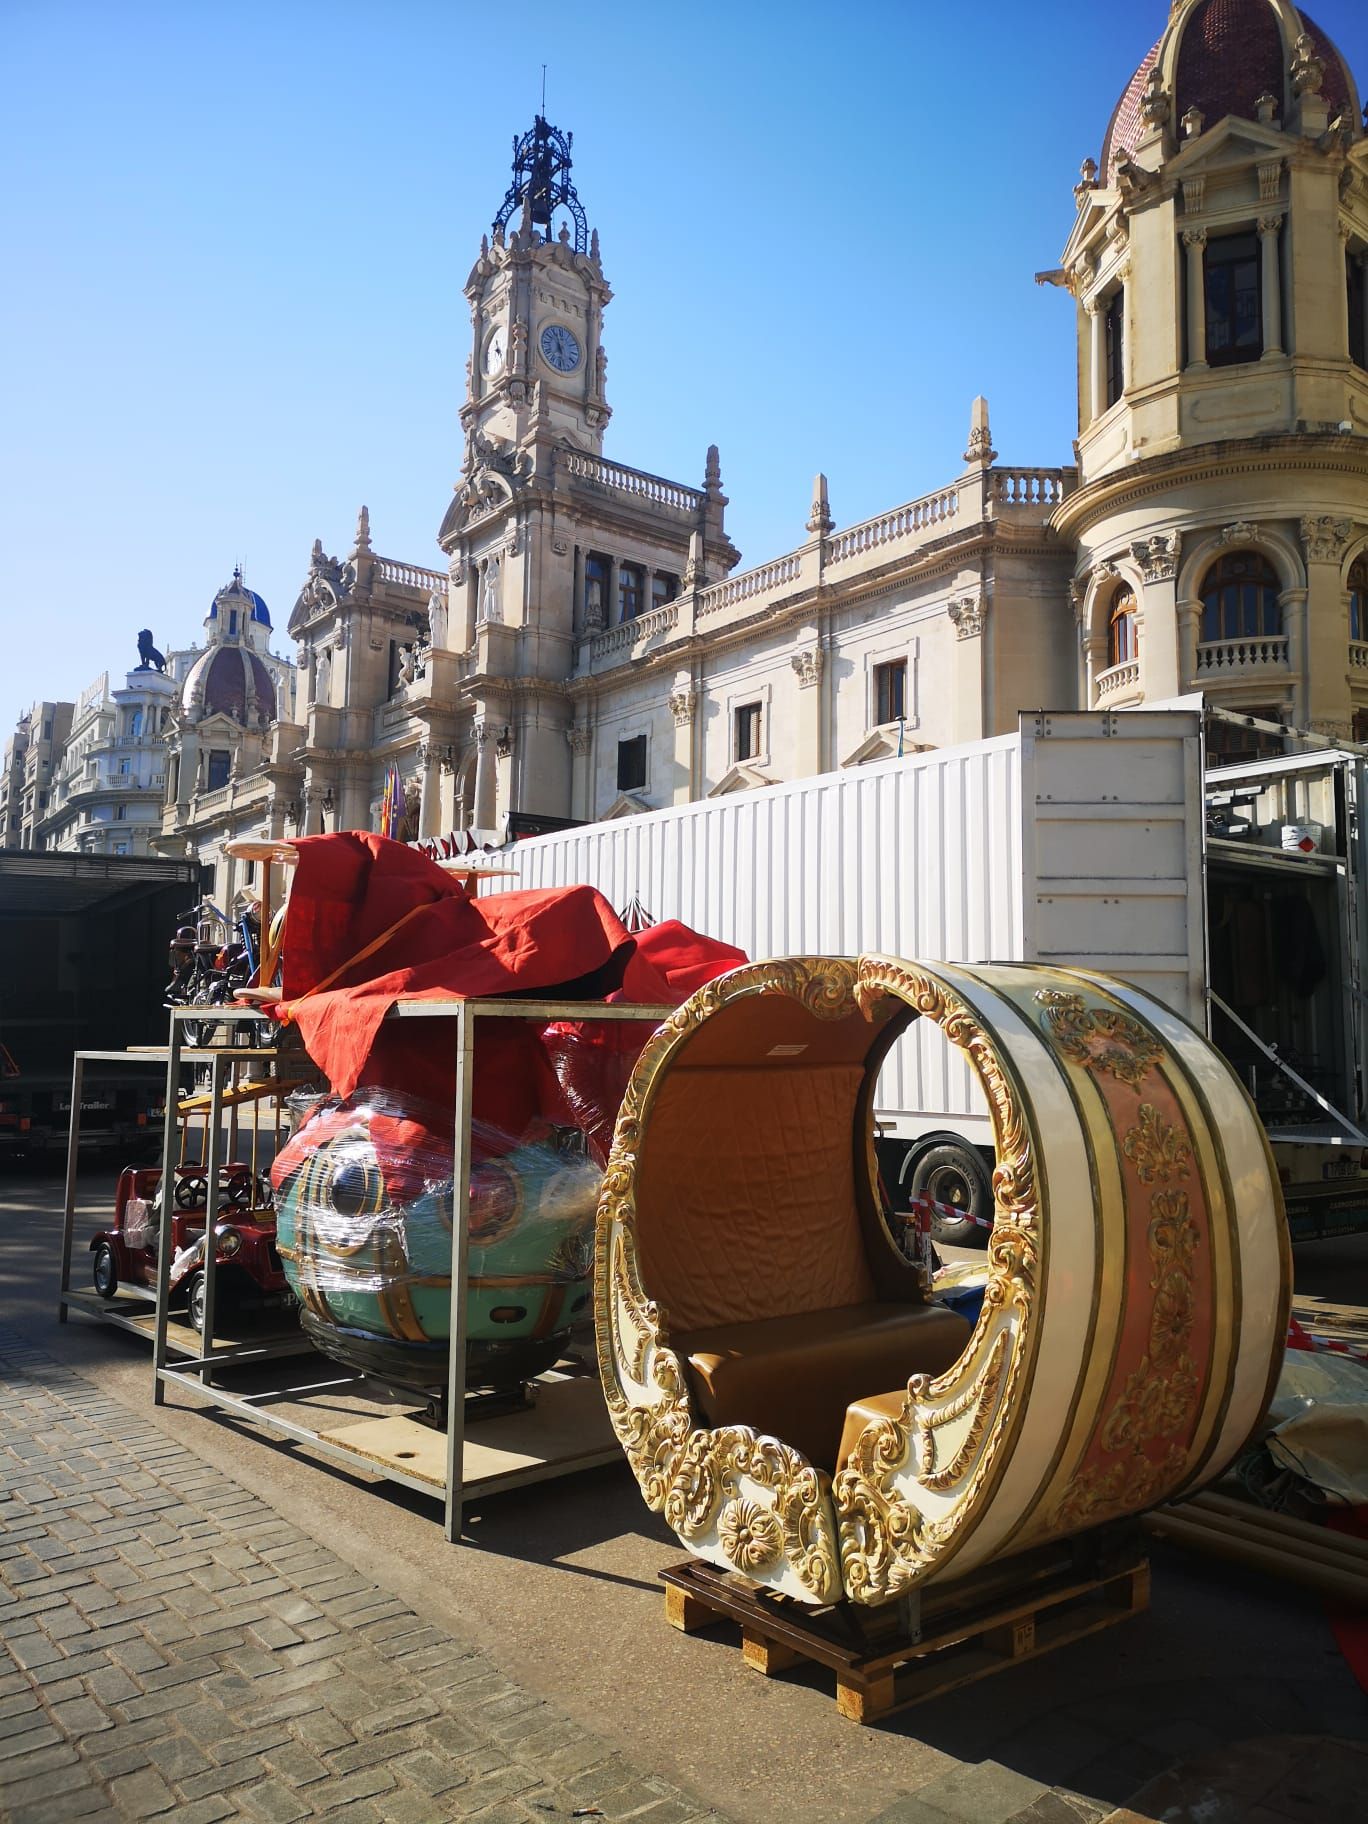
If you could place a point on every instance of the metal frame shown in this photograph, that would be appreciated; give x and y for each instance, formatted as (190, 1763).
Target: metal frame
(459, 1486)
(175, 1055)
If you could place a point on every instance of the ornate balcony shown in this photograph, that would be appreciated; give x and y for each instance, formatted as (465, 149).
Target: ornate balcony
(1258, 655)
(1118, 682)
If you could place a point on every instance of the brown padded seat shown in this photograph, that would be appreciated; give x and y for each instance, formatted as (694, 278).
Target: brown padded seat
(863, 1412)
(793, 1377)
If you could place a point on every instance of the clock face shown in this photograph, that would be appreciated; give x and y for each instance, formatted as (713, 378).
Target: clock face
(559, 348)
(495, 350)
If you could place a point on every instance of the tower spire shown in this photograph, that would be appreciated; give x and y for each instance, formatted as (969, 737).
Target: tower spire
(541, 182)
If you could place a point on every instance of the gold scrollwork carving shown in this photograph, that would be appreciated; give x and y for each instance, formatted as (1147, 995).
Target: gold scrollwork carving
(751, 1536)
(1155, 1149)
(1099, 1038)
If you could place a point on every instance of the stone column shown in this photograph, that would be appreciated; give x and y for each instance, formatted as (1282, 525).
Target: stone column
(1097, 356)
(1195, 239)
(1292, 604)
(429, 821)
(611, 616)
(683, 711)
(1270, 265)
(581, 770)
(1094, 661)
(1189, 625)
(809, 663)
(1324, 542)
(1159, 641)
(486, 775)
(577, 605)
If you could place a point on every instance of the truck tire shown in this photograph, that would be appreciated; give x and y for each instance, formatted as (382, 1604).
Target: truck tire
(953, 1173)
(106, 1270)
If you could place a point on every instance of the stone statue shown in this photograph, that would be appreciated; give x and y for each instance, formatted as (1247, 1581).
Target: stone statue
(489, 592)
(152, 660)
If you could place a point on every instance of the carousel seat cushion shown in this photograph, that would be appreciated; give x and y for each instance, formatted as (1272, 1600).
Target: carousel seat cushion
(793, 1377)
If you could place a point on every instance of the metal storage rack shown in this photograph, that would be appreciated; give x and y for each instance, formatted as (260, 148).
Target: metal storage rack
(143, 1309)
(567, 1428)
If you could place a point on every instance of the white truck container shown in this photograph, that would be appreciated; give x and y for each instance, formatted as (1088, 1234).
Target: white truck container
(1077, 840)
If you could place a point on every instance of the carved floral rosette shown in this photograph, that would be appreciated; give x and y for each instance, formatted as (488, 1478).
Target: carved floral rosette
(1131, 1327)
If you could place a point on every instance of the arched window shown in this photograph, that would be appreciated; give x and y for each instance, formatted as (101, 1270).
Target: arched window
(1240, 599)
(1121, 640)
(1358, 597)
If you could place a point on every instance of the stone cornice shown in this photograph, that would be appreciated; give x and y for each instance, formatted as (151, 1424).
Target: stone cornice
(1307, 452)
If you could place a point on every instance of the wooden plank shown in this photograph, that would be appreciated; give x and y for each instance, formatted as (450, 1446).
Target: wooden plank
(397, 1442)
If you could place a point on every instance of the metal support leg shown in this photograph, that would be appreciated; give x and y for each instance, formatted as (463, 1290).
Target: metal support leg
(69, 1206)
(460, 1270)
(213, 1173)
(167, 1204)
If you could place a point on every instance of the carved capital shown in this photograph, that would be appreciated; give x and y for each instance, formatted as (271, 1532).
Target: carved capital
(1325, 538)
(578, 737)
(968, 612)
(1158, 556)
(1194, 237)
(1270, 224)
(808, 665)
(682, 705)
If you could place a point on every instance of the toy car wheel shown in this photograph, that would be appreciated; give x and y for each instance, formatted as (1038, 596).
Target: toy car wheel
(191, 1192)
(240, 1191)
(106, 1271)
(955, 1177)
(194, 1302)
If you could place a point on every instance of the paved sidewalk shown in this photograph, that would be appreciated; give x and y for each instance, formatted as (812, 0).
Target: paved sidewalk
(173, 1648)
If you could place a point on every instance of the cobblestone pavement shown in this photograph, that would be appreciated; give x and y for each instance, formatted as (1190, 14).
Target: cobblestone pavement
(173, 1648)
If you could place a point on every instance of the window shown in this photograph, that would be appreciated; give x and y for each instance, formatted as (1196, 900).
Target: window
(1230, 745)
(1358, 597)
(47, 730)
(596, 568)
(1359, 732)
(664, 588)
(135, 723)
(1121, 640)
(219, 763)
(1116, 346)
(746, 731)
(232, 620)
(629, 591)
(631, 766)
(120, 813)
(1240, 599)
(890, 692)
(1234, 313)
(1358, 309)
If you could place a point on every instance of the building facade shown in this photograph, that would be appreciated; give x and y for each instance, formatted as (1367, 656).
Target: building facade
(109, 782)
(588, 646)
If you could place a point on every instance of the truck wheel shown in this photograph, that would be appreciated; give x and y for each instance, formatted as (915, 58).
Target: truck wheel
(955, 1175)
(194, 1302)
(106, 1271)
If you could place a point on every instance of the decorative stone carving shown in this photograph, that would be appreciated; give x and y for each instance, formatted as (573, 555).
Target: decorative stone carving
(980, 447)
(578, 737)
(1078, 595)
(682, 704)
(560, 546)
(1240, 532)
(808, 664)
(1194, 237)
(1155, 106)
(1194, 195)
(819, 520)
(1193, 122)
(968, 612)
(1326, 538)
(1270, 181)
(1308, 70)
(490, 608)
(1158, 556)
(1270, 224)
(1087, 182)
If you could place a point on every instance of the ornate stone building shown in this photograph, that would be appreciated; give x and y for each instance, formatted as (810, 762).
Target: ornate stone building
(109, 783)
(1220, 521)
(591, 648)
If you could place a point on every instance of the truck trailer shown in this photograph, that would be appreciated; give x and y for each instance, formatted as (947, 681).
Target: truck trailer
(1090, 839)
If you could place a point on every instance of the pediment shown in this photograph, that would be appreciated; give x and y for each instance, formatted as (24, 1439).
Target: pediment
(626, 804)
(1233, 141)
(883, 744)
(740, 778)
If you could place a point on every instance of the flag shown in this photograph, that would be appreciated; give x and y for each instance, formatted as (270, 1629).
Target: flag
(392, 803)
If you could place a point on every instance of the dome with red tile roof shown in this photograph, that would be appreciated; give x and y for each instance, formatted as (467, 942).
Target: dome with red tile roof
(1222, 57)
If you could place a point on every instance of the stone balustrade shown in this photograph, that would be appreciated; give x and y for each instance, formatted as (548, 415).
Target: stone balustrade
(636, 482)
(1117, 680)
(1031, 487)
(410, 576)
(643, 627)
(910, 522)
(1358, 655)
(1229, 658)
(765, 579)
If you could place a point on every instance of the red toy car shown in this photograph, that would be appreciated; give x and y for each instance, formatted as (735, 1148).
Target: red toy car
(247, 1266)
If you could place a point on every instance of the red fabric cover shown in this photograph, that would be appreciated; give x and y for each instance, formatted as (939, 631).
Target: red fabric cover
(350, 889)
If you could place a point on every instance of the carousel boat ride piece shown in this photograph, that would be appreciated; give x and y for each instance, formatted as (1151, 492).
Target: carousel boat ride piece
(786, 1396)
(364, 1213)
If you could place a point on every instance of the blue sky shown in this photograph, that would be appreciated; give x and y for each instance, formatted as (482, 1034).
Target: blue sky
(236, 240)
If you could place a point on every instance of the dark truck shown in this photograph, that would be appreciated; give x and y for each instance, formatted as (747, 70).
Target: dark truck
(83, 966)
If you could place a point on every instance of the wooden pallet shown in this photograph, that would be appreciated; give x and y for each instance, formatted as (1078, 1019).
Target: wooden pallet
(967, 1632)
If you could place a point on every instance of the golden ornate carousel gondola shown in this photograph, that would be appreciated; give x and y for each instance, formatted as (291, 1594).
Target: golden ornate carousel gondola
(785, 1393)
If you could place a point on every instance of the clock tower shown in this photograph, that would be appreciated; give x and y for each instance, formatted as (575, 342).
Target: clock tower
(537, 296)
